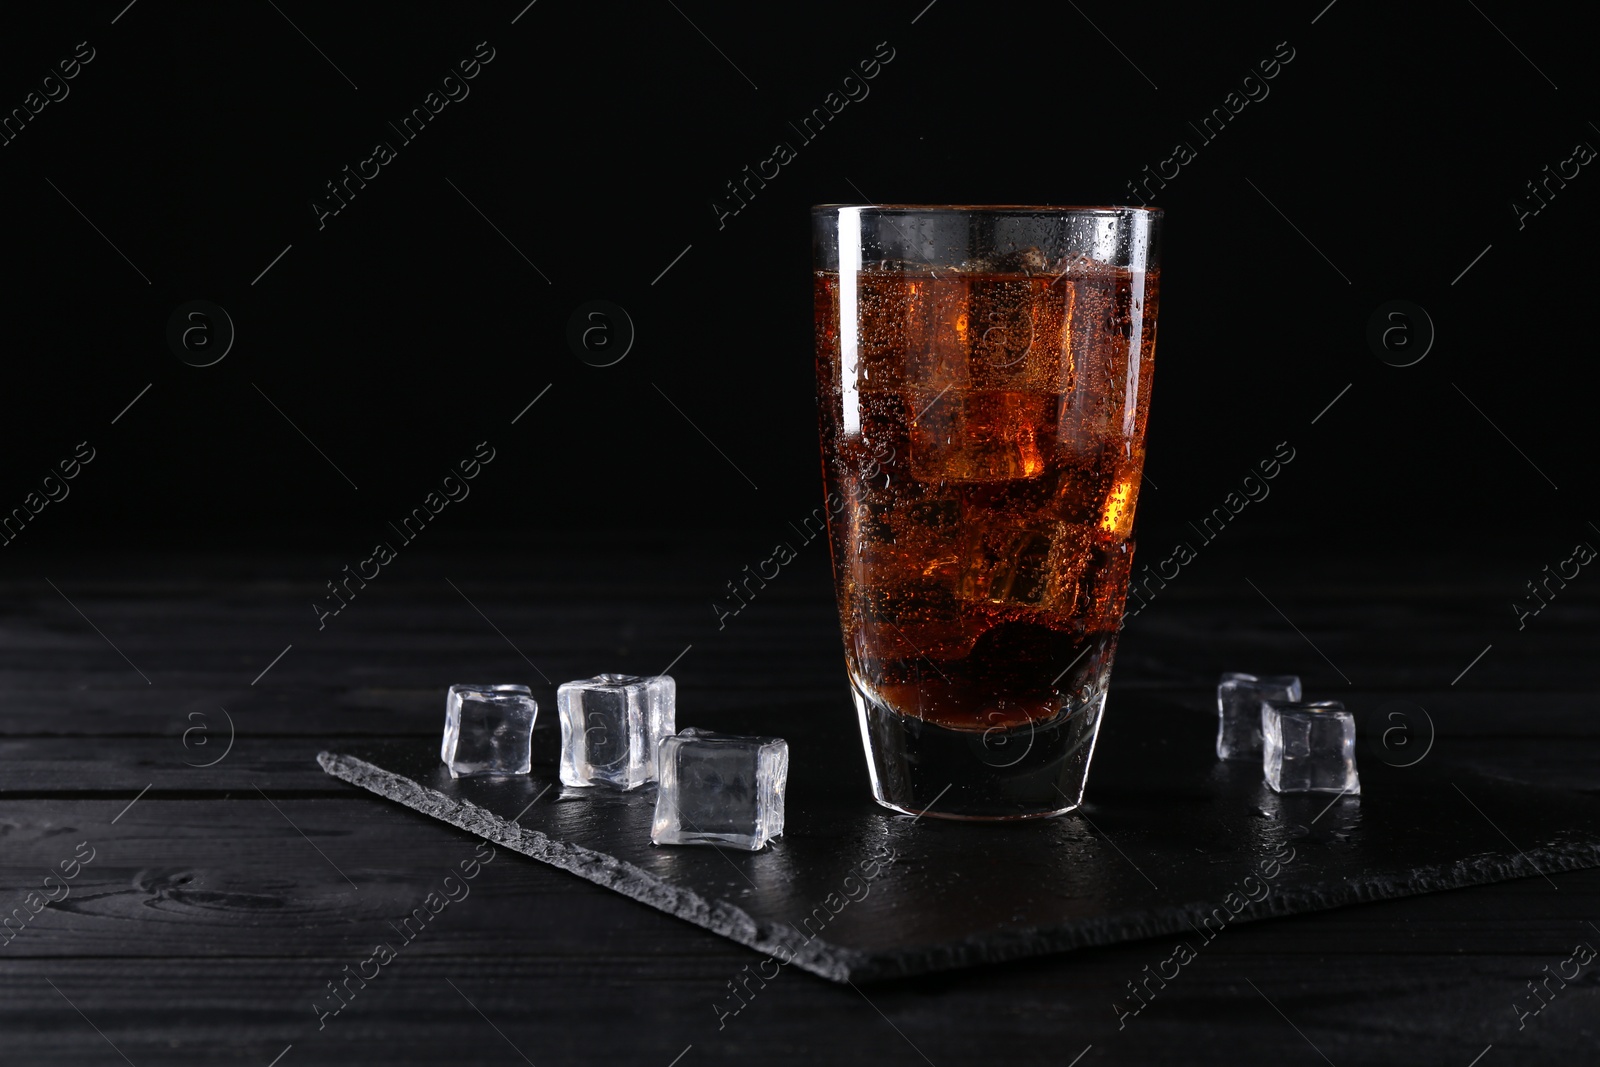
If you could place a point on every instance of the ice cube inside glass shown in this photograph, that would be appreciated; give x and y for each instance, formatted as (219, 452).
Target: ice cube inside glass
(1239, 698)
(1309, 747)
(488, 730)
(720, 789)
(611, 725)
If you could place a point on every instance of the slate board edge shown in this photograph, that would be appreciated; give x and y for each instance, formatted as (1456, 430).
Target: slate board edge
(832, 962)
(839, 964)
(1183, 919)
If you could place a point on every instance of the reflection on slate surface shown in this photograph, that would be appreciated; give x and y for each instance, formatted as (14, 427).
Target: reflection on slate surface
(1169, 836)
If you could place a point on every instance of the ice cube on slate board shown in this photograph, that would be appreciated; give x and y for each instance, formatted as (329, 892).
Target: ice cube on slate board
(1239, 698)
(1309, 748)
(720, 789)
(488, 729)
(611, 725)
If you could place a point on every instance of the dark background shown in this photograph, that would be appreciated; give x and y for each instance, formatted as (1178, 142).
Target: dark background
(378, 351)
(408, 329)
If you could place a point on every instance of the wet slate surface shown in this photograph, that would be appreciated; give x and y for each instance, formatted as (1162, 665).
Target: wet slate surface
(1170, 842)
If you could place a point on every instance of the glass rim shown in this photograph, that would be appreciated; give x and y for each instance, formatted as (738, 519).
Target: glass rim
(974, 209)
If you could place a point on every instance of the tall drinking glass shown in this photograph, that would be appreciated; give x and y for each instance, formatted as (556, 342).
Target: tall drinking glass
(984, 379)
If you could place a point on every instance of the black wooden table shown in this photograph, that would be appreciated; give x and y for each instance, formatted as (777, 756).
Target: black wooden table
(185, 885)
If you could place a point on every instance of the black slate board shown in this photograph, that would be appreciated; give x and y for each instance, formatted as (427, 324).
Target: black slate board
(1167, 835)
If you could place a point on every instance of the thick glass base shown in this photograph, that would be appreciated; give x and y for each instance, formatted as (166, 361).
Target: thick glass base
(1030, 771)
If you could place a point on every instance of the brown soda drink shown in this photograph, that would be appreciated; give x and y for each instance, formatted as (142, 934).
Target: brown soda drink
(983, 440)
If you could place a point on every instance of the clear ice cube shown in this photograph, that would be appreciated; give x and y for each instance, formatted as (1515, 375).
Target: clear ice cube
(720, 789)
(1239, 698)
(488, 729)
(1309, 748)
(611, 725)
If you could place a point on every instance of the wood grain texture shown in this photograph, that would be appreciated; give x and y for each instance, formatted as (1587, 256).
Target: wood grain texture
(210, 920)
